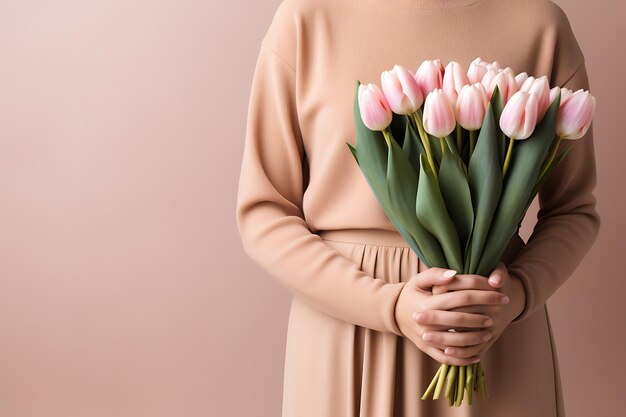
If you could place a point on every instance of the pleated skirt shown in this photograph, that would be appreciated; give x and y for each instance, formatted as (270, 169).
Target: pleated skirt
(337, 369)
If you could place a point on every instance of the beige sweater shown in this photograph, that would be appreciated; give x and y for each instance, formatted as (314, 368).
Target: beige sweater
(298, 175)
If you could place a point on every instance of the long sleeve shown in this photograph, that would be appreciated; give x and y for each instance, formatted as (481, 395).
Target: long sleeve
(269, 205)
(567, 221)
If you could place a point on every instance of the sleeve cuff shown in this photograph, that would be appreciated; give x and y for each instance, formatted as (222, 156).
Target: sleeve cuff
(530, 304)
(394, 290)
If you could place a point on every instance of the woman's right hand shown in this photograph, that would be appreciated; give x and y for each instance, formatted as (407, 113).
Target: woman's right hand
(417, 297)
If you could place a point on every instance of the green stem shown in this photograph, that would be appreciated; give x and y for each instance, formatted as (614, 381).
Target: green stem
(476, 377)
(472, 134)
(451, 378)
(459, 140)
(387, 134)
(442, 141)
(425, 141)
(507, 159)
(460, 387)
(442, 377)
(469, 383)
(551, 155)
(431, 387)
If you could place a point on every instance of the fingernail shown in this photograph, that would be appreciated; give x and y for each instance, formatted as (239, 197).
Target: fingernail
(495, 279)
(505, 299)
(488, 322)
(486, 337)
(448, 351)
(476, 361)
(449, 273)
(427, 336)
(417, 316)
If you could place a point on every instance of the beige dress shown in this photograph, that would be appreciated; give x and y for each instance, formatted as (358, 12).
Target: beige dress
(308, 217)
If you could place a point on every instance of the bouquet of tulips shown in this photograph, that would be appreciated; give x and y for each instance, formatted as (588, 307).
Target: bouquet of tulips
(455, 158)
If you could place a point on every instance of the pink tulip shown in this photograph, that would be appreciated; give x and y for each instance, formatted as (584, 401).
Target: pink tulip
(512, 86)
(494, 65)
(541, 88)
(438, 116)
(454, 78)
(504, 79)
(565, 94)
(575, 114)
(519, 115)
(375, 111)
(429, 75)
(527, 83)
(401, 90)
(488, 78)
(520, 78)
(553, 93)
(471, 106)
(476, 70)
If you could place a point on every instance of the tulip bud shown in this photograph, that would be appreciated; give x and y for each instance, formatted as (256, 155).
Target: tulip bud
(511, 83)
(520, 78)
(504, 79)
(541, 88)
(519, 115)
(565, 94)
(553, 93)
(438, 115)
(471, 106)
(429, 75)
(528, 82)
(575, 114)
(375, 111)
(454, 78)
(401, 90)
(494, 65)
(487, 79)
(476, 70)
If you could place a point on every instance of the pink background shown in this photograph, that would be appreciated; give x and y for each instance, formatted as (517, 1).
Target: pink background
(124, 289)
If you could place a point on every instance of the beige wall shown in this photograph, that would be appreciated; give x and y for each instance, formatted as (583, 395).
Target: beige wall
(124, 290)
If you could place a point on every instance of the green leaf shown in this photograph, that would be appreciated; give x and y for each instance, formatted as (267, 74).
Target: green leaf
(435, 146)
(465, 148)
(412, 145)
(402, 183)
(398, 127)
(456, 192)
(485, 182)
(526, 161)
(431, 212)
(353, 151)
(497, 105)
(553, 164)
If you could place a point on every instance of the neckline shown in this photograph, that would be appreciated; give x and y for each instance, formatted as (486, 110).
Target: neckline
(428, 4)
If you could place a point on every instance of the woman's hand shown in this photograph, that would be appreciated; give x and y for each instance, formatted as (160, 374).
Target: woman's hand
(438, 315)
(502, 316)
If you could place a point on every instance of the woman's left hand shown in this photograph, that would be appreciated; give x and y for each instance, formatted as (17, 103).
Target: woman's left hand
(499, 280)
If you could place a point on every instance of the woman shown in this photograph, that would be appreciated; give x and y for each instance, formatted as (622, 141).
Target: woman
(307, 215)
